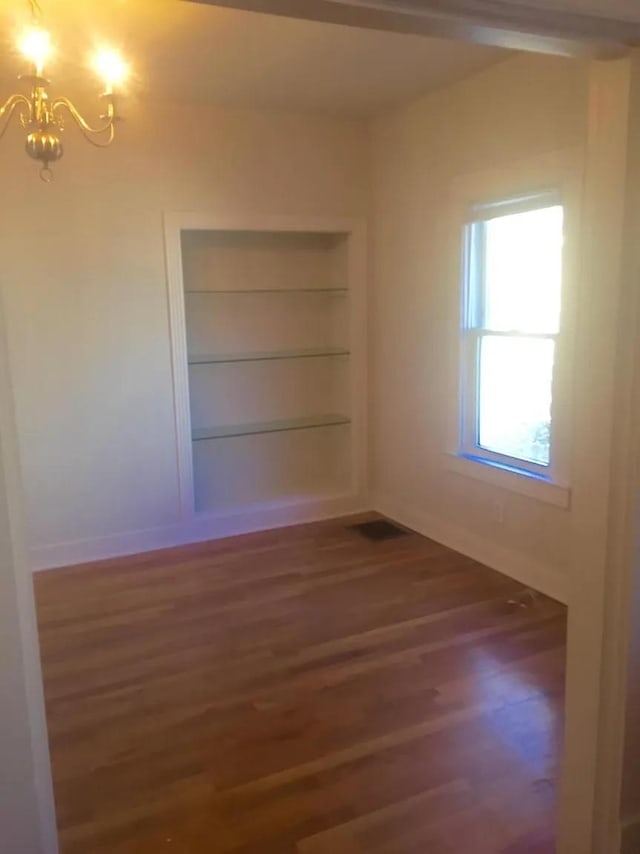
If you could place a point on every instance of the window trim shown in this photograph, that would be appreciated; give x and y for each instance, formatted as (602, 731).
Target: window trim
(510, 480)
(472, 332)
(561, 168)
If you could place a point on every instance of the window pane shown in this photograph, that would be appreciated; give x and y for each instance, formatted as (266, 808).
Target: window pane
(523, 271)
(515, 396)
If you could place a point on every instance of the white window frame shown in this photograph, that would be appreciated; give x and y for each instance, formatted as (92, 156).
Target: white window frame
(473, 331)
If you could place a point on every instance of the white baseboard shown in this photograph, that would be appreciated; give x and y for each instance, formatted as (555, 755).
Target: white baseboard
(630, 836)
(520, 567)
(280, 514)
(199, 529)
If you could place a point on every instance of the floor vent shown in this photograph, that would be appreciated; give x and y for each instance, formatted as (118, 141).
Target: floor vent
(379, 530)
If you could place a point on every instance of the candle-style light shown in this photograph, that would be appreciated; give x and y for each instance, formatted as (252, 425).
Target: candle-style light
(42, 116)
(111, 68)
(35, 45)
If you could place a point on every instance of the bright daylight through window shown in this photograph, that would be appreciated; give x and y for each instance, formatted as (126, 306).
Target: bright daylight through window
(511, 321)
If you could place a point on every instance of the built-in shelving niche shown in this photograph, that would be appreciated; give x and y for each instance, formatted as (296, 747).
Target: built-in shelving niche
(270, 368)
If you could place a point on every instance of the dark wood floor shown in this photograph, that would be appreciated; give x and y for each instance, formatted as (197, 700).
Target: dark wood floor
(302, 690)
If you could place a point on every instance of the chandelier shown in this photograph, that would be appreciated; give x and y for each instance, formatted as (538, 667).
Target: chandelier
(41, 115)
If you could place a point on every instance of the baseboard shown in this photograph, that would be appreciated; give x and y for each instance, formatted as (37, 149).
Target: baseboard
(631, 836)
(280, 514)
(520, 567)
(199, 529)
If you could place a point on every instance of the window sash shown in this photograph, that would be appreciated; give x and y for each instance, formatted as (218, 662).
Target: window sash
(474, 330)
(475, 286)
(470, 409)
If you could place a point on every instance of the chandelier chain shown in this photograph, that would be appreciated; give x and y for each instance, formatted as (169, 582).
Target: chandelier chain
(36, 10)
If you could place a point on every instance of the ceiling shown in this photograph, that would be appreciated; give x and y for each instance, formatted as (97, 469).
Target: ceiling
(223, 56)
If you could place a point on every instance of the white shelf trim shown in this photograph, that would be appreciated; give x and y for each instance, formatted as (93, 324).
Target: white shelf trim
(233, 291)
(256, 428)
(266, 356)
(355, 231)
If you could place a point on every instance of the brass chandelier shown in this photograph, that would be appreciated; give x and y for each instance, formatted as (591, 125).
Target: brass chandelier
(43, 116)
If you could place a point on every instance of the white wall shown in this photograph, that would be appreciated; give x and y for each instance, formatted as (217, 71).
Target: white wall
(26, 802)
(84, 267)
(84, 283)
(517, 110)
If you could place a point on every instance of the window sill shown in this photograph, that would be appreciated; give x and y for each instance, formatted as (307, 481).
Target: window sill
(522, 482)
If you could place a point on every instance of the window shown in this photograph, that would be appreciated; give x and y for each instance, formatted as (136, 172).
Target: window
(511, 320)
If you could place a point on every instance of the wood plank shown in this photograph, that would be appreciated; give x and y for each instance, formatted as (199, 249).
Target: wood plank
(302, 690)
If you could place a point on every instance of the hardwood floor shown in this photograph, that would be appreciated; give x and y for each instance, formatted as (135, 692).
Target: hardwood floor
(302, 690)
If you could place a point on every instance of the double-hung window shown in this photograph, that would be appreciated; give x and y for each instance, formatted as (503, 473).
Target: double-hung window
(512, 289)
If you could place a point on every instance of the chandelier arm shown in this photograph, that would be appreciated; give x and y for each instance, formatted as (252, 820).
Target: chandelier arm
(90, 133)
(8, 108)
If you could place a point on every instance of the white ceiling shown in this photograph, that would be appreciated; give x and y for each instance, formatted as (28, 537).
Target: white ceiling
(223, 56)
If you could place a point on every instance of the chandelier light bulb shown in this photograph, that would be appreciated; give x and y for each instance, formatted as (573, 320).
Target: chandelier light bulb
(35, 45)
(111, 67)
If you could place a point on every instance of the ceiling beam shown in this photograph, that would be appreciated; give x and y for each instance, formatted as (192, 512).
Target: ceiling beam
(514, 24)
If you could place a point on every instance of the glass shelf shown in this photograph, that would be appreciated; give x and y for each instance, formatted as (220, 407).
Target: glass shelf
(224, 358)
(203, 433)
(269, 291)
